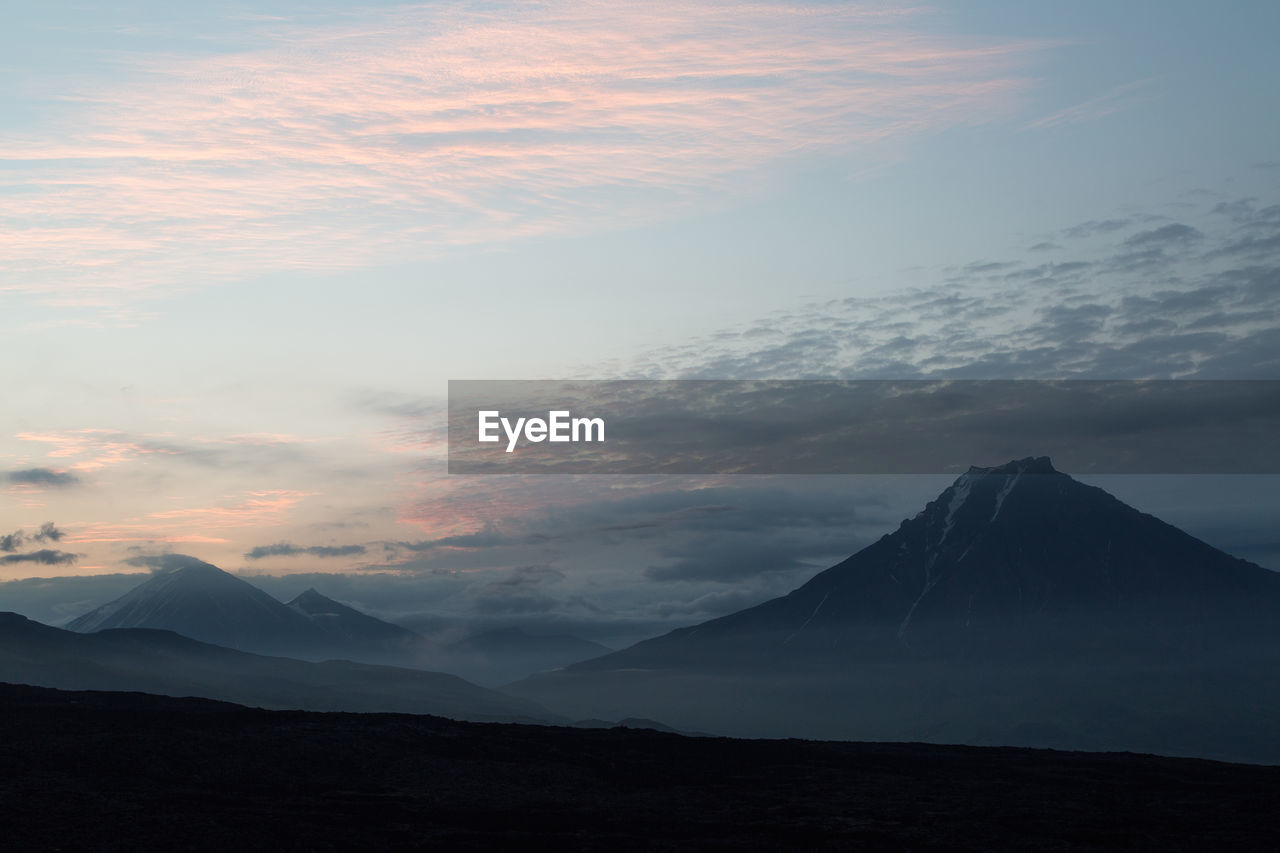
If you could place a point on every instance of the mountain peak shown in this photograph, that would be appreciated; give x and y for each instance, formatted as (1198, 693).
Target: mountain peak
(1029, 465)
(169, 564)
(347, 624)
(311, 595)
(995, 562)
(312, 602)
(201, 601)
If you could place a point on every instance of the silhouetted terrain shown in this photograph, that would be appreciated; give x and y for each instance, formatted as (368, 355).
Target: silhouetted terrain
(167, 663)
(1020, 607)
(129, 772)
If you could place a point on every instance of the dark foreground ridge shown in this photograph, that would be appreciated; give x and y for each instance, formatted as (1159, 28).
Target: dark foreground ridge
(127, 771)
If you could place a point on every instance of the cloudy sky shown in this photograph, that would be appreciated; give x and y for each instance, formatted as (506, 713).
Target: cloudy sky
(243, 248)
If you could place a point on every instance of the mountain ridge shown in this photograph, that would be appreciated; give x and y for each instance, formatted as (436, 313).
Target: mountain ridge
(168, 663)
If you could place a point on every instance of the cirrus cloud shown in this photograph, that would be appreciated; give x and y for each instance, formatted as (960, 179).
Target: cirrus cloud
(419, 128)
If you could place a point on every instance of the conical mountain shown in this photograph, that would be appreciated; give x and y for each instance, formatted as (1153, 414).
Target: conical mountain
(1015, 559)
(346, 625)
(201, 601)
(1019, 607)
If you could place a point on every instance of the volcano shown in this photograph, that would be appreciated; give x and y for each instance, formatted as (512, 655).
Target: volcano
(1014, 560)
(1018, 607)
(201, 601)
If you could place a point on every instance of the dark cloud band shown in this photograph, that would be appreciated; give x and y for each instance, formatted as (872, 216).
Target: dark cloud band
(284, 549)
(878, 426)
(45, 557)
(42, 477)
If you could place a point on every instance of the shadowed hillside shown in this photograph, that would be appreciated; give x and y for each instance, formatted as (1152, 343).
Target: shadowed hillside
(167, 663)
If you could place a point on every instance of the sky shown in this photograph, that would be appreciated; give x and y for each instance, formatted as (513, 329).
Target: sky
(244, 247)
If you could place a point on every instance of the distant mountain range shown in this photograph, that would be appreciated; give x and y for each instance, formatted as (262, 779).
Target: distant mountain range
(199, 600)
(1019, 607)
(163, 662)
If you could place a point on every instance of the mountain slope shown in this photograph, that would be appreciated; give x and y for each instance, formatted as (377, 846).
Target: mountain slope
(167, 663)
(1019, 607)
(201, 601)
(340, 620)
(1019, 550)
(354, 634)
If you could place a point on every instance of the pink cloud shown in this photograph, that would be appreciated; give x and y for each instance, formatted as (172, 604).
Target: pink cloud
(138, 533)
(93, 448)
(256, 509)
(255, 439)
(417, 129)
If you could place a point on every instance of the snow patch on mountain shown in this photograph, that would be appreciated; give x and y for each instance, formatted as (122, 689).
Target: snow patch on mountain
(1004, 493)
(906, 621)
(959, 494)
(807, 621)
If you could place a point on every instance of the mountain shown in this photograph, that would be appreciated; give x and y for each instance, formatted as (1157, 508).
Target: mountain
(502, 655)
(201, 601)
(170, 664)
(1018, 607)
(357, 634)
(1015, 552)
